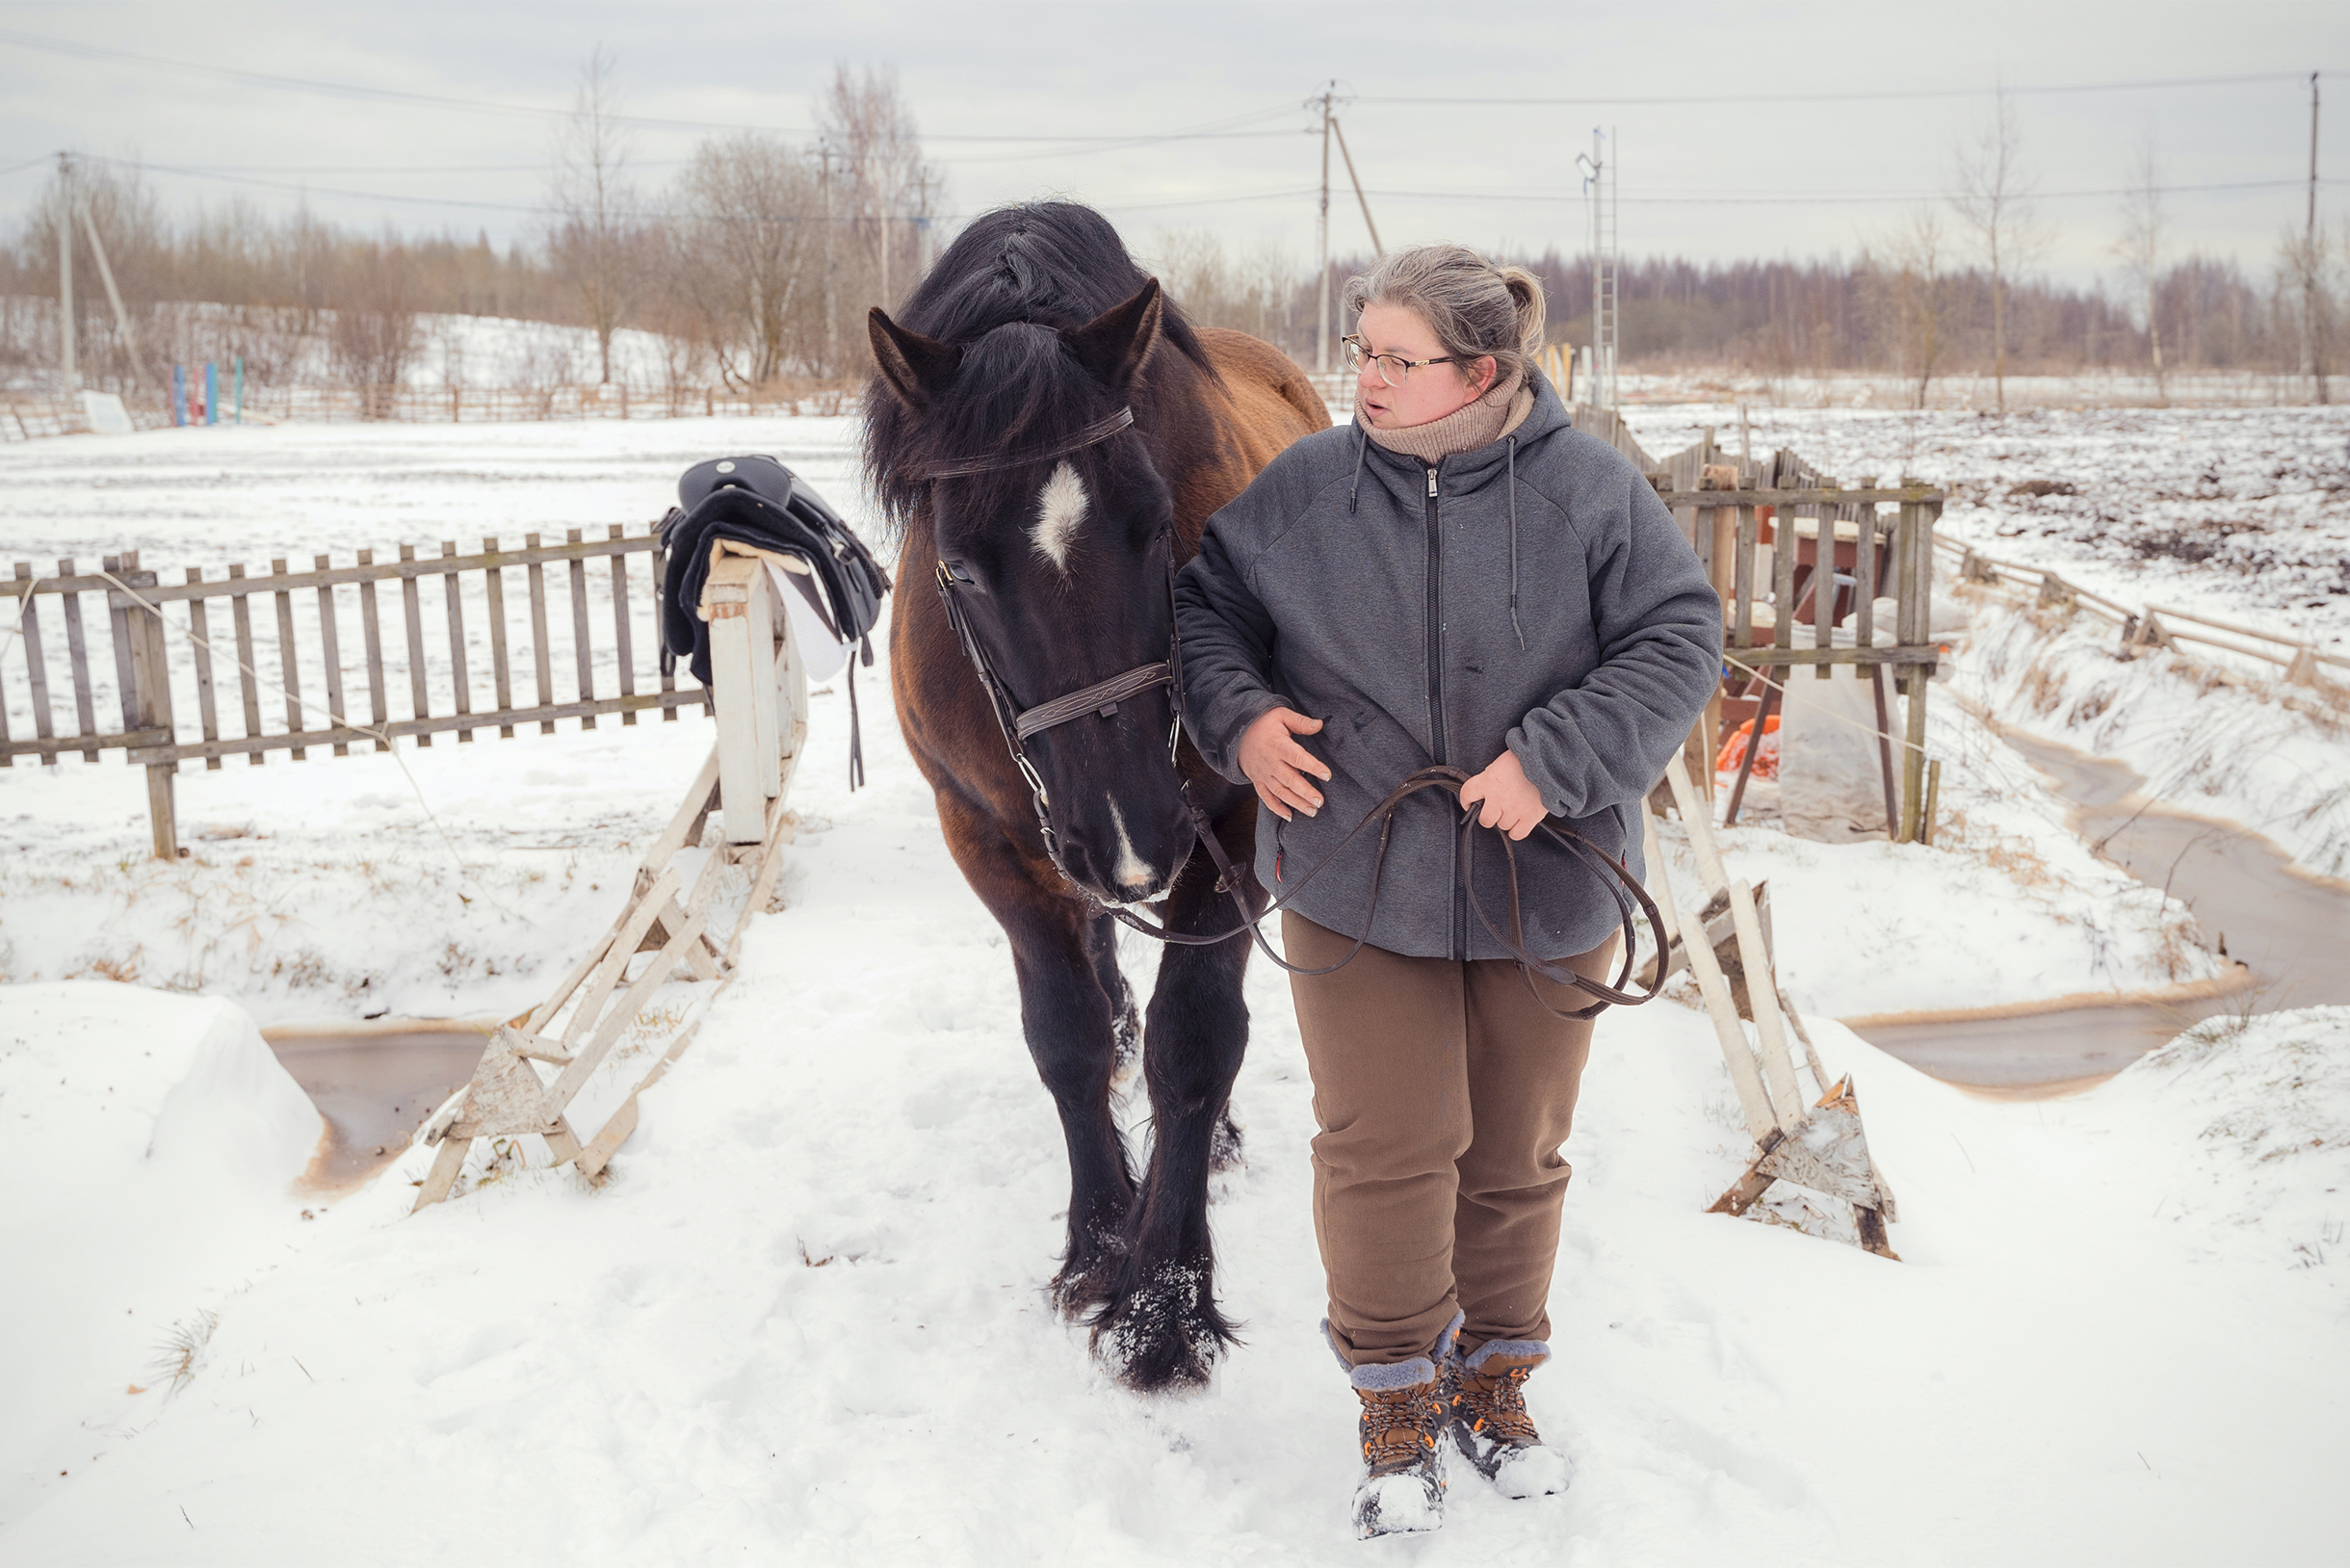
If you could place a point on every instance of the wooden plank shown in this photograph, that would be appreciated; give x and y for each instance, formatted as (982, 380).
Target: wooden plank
(1807, 496)
(1864, 579)
(496, 590)
(695, 809)
(447, 1165)
(420, 728)
(409, 565)
(331, 653)
(619, 624)
(419, 701)
(1753, 1101)
(379, 709)
(1743, 619)
(579, 631)
(289, 662)
(661, 581)
(117, 622)
(1823, 599)
(77, 657)
(452, 594)
(143, 745)
(1753, 957)
(1782, 586)
(249, 684)
(1756, 657)
(733, 605)
(36, 661)
(624, 1012)
(151, 709)
(539, 635)
(2217, 624)
(199, 650)
(626, 934)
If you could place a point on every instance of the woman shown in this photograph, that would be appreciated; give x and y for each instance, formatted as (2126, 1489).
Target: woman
(1459, 577)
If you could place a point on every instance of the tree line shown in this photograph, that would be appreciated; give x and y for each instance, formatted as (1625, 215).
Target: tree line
(754, 266)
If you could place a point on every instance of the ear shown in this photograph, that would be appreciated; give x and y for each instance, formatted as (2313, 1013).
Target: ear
(1114, 345)
(917, 368)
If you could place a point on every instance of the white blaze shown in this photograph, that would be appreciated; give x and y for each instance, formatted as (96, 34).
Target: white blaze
(1130, 871)
(1059, 508)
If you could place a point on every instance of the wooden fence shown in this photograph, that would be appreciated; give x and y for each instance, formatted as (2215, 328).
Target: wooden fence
(196, 671)
(26, 416)
(2157, 626)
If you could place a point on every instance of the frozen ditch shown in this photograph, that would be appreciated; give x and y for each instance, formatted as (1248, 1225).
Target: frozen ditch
(374, 1084)
(2284, 926)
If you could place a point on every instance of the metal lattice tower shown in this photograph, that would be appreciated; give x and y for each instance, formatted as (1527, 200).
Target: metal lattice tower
(1600, 190)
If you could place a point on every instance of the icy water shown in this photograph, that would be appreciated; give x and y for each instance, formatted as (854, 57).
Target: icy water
(374, 1084)
(2289, 930)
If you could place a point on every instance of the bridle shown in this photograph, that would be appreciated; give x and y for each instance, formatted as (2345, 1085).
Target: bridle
(1102, 699)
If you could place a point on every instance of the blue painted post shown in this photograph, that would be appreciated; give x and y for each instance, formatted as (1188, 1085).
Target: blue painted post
(179, 394)
(212, 393)
(240, 389)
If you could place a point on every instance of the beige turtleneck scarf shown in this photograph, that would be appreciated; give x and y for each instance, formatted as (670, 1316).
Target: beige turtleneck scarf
(1487, 419)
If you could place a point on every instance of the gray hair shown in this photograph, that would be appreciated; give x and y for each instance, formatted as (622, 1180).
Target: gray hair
(1474, 307)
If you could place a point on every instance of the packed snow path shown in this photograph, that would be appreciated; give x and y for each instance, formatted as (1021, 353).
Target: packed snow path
(806, 1321)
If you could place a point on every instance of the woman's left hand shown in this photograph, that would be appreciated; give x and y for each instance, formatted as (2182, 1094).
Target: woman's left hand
(1511, 801)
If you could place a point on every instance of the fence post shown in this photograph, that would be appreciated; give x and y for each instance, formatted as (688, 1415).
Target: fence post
(1914, 620)
(149, 700)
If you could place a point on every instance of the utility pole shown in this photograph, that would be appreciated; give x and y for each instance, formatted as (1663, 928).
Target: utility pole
(1600, 182)
(1322, 315)
(2312, 328)
(65, 276)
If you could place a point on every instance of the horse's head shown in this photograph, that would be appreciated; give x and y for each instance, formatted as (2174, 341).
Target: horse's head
(1059, 551)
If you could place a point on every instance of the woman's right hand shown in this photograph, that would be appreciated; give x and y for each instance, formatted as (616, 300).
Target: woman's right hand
(1278, 765)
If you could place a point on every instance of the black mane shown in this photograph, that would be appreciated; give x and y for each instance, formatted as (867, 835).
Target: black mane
(1050, 264)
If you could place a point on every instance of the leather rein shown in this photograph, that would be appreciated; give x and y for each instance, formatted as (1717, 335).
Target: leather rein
(1102, 699)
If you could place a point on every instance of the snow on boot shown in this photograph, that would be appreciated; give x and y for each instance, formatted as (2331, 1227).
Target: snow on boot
(1490, 1425)
(1404, 1418)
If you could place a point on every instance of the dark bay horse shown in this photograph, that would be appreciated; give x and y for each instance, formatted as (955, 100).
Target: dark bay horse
(993, 440)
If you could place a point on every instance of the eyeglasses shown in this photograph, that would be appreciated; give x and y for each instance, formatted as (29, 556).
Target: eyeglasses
(1394, 369)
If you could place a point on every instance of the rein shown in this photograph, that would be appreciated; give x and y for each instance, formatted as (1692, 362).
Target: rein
(1102, 699)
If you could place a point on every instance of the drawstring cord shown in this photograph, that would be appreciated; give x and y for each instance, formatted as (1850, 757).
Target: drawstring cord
(1513, 545)
(1362, 450)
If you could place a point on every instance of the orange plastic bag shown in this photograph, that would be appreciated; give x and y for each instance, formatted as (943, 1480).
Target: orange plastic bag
(1733, 750)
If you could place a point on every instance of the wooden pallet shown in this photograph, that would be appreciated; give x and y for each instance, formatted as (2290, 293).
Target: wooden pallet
(759, 684)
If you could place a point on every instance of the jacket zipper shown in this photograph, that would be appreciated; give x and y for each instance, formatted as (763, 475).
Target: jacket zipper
(1436, 697)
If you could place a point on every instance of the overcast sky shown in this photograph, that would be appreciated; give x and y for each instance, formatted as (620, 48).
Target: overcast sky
(1762, 157)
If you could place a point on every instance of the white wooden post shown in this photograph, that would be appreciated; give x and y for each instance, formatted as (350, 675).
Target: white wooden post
(760, 691)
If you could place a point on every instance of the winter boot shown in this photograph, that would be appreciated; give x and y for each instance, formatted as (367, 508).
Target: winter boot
(1486, 1398)
(1403, 1419)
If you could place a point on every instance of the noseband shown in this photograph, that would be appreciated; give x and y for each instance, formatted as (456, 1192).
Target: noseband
(1102, 699)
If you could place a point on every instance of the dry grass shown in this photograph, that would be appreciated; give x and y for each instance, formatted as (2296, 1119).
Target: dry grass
(182, 1350)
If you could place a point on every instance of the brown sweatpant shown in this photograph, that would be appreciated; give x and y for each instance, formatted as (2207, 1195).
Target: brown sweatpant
(1443, 1092)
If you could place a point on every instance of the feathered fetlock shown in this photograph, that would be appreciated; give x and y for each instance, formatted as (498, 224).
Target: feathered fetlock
(1486, 1399)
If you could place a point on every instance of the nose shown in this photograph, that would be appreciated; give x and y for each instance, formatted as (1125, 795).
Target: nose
(1122, 863)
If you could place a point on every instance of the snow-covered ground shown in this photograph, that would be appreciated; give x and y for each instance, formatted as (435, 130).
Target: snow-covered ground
(805, 1322)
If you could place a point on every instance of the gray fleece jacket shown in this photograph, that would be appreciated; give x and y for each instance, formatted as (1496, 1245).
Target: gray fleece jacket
(1533, 593)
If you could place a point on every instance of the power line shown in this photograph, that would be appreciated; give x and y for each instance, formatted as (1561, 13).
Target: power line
(1207, 130)
(1870, 95)
(1791, 199)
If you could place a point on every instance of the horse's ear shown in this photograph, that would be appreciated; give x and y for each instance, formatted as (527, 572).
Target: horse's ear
(1116, 344)
(917, 368)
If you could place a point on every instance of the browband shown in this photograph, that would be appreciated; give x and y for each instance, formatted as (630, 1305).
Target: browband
(1101, 429)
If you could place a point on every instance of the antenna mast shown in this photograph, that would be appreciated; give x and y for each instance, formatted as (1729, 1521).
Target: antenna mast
(67, 368)
(1600, 188)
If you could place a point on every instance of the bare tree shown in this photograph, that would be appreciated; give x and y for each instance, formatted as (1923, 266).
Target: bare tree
(1250, 294)
(2305, 304)
(740, 244)
(886, 193)
(594, 238)
(2144, 224)
(1909, 298)
(375, 337)
(1993, 198)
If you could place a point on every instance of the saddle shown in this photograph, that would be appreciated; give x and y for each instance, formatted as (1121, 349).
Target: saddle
(758, 502)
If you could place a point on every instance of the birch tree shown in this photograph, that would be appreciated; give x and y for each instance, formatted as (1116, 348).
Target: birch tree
(2144, 226)
(1993, 198)
(595, 235)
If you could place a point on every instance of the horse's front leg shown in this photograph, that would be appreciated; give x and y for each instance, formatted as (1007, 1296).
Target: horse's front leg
(1071, 1025)
(1161, 1327)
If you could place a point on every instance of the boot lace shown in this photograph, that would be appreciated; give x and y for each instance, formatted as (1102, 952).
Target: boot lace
(1494, 1405)
(1399, 1428)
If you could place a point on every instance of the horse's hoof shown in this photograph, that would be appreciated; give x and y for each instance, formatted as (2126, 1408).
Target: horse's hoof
(1163, 1333)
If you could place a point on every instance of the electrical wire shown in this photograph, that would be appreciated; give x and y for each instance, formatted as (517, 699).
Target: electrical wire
(1865, 95)
(1792, 200)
